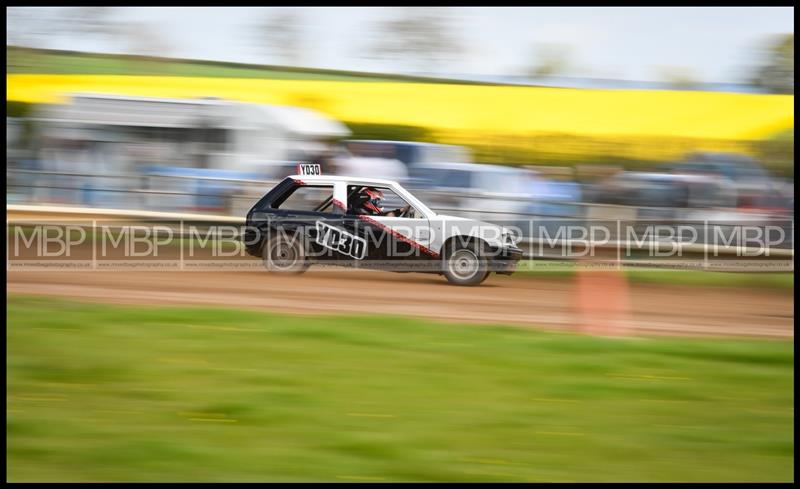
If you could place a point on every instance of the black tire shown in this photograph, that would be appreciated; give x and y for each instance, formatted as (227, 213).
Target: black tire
(465, 265)
(284, 255)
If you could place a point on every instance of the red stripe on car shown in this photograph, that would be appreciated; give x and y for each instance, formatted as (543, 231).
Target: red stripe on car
(399, 236)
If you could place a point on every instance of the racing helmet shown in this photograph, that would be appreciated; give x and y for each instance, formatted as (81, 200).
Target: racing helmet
(371, 199)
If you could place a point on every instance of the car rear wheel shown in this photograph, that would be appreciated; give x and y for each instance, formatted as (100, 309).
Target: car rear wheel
(466, 265)
(286, 255)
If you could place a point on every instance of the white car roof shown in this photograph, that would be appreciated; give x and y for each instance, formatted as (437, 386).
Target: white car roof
(338, 178)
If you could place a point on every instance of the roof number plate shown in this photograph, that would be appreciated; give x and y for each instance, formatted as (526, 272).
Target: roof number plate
(307, 169)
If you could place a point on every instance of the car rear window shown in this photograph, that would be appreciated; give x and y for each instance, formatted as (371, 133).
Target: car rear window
(306, 198)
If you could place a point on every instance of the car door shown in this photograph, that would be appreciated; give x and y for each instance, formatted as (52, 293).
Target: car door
(335, 236)
(392, 243)
(408, 243)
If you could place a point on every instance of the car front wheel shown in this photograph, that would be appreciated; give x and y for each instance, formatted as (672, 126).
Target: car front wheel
(465, 265)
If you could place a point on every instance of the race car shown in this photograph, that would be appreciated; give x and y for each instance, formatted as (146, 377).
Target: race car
(371, 223)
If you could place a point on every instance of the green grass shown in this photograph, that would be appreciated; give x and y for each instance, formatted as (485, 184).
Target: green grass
(63, 62)
(29, 60)
(107, 393)
(767, 280)
(779, 281)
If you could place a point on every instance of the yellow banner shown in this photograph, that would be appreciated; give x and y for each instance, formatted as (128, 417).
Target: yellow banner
(473, 109)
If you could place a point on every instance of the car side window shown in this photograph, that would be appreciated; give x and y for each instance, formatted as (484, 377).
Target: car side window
(391, 201)
(307, 198)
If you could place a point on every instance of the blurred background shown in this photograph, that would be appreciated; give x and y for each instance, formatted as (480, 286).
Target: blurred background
(675, 116)
(505, 114)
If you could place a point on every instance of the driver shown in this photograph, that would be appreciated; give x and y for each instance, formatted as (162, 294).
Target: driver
(368, 203)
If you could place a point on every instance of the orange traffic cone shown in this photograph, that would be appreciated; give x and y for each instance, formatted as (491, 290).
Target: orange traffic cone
(602, 303)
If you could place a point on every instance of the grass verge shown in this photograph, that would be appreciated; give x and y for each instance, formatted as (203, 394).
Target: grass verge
(777, 281)
(107, 393)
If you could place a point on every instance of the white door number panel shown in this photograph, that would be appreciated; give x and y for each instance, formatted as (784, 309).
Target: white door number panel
(341, 241)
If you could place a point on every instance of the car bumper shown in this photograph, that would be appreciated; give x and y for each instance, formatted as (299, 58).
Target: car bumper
(505, 260)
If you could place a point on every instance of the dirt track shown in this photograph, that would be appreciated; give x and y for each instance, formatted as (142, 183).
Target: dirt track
(551, 303)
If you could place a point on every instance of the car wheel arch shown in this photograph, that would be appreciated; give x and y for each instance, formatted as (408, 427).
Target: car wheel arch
(461, 240)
